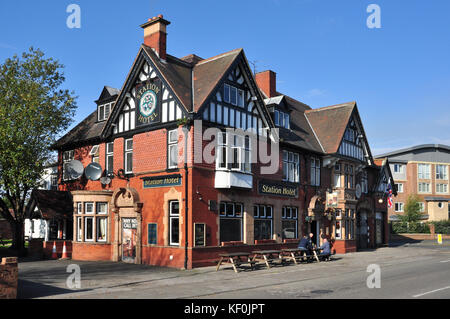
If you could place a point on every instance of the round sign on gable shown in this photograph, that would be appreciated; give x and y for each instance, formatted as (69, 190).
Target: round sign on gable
(147, 103)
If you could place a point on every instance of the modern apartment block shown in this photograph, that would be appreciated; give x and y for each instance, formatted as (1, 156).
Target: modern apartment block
(422, 170)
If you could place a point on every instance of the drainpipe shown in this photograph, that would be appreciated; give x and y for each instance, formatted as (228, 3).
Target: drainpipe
(186, 129)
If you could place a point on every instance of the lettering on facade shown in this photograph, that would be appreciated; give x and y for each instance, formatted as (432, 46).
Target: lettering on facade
(163, 181)
(277, 189)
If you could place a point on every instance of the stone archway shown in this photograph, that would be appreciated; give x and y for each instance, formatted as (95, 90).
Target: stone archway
(316, 210)
(127, 210)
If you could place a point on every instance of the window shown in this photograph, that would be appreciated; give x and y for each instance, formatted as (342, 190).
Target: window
(240, 98)
(95, 153)
(315, 171)
(349, 177)
(102, 208)
(338, 232)
(289, 223)
(422, 207)
(263, 216)
(152, 234)
(68, 156)
(174, 223)
(230, 221)
(103, 111)
(441, 172)
(102, 223)
(364, 182)
(424, 171)
(399, 187)
(129, 156)
(424, 188)
(291, 167)
(173, 149)
(110, 158)
(399, 207)
(282, 119)
(226, 93)
(89, 228)
(399, 168)
(442, 188)
(80, 229)
(337, 176)
(92, 227)
(233, 152)
(89, 208)
(350, 224)
(233, 95)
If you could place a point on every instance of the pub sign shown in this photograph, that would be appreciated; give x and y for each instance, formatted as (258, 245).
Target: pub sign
(148, 101)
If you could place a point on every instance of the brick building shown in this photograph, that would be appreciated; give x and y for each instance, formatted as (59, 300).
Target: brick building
(422, 170)
(201, 156)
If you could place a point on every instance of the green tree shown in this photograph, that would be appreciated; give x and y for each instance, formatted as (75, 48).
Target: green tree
(412, 210)
(34, 109)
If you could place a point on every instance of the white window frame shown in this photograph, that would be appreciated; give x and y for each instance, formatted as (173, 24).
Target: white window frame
(173, 216)
(399, 168)
(80, 229)
(422, 207)
(424, 171)
(68, 156)
(399, 187)
(86, 210)
(128, 151)
(86, 218)
(441, 188)
(291, 167)
(421, 190)
(315, 171)
(172, 142)
(109, 154)
(441, 175)
(401, 207)
(97, 229)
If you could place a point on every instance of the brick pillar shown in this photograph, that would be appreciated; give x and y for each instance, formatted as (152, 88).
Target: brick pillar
(8, 278)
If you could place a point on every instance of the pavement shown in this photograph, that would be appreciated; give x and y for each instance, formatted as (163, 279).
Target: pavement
(418, 270)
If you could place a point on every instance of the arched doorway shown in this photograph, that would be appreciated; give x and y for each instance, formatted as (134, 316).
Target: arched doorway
(127, 211)
(363, 214)
(316, 211)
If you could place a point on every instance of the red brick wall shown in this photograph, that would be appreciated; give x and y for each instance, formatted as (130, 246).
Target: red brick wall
(9, 276)
(344, 246)
(93, 252)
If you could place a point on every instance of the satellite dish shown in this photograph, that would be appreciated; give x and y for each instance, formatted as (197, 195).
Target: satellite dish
(74, 170)
(93, 172)
(105, 180)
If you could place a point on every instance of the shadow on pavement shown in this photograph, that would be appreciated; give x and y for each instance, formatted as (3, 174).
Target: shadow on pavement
(28, 290)
(400, 240)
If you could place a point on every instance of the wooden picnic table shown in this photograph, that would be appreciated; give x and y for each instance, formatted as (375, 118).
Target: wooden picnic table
(235, 259)
(267, 255)
(294, 254)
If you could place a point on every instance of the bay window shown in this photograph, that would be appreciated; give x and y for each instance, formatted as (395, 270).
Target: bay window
(91, 220)
(233, 152)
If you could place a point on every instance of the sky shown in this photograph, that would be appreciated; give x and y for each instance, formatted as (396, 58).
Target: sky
(323, 52)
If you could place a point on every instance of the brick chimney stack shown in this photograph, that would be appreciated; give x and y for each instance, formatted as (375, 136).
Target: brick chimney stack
(267, 82)
(155, 35)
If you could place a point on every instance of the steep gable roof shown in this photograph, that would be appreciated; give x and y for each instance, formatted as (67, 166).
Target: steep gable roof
(329, 124)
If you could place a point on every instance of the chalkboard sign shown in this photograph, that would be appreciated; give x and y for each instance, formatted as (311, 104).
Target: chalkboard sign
(200, 234)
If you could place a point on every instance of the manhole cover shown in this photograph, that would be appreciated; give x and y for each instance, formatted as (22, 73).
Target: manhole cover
(321, 292)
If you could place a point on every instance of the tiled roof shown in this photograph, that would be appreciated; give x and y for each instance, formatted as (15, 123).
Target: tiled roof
(88, 129)
(329, 124)
(53, 204)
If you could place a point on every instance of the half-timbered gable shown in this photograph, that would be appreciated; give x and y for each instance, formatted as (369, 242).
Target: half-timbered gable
(235, 100)
(147, 100)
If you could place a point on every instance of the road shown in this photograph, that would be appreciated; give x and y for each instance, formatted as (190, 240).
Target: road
(413, 271)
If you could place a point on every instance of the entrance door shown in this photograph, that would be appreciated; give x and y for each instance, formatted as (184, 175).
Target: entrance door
(361, 224)
(129, 238)
(315, 231)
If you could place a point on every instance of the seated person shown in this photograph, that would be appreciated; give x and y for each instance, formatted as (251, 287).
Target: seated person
(304, 244)
(326, 249)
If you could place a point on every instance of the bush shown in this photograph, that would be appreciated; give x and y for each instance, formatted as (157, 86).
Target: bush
(442, 227)
(412, 228)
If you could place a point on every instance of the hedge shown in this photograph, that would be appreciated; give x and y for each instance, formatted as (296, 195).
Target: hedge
(411, 228)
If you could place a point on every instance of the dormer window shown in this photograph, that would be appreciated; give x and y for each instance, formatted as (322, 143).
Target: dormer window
(104, 110)
(282, 119)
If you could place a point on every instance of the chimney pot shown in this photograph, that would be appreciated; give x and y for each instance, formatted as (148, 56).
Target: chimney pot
(155, 35)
